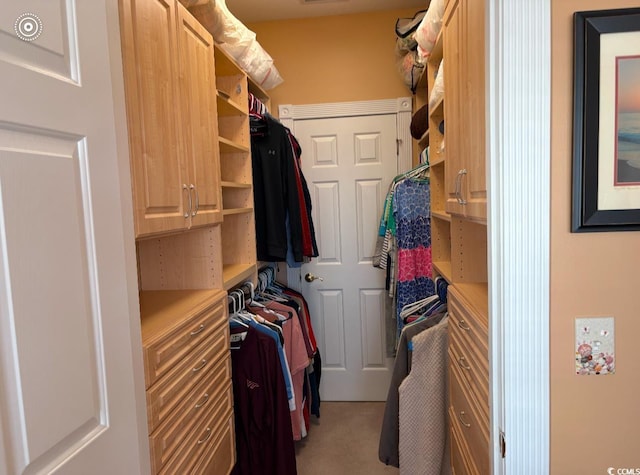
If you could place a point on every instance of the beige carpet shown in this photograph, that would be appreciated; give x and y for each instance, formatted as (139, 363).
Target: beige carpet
(343, 441)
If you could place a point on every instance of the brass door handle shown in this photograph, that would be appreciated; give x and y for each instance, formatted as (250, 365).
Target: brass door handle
(310, 277)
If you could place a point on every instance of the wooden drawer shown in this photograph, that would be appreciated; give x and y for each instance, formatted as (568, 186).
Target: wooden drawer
(473, 369)
(219, 457)
(208, 431)
(460, 458)
(467, 324)
(165, 350)
(174, 386)
(473, 428)
(213, 390)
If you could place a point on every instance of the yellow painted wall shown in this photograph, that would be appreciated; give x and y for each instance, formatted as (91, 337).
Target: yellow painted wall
(595, 420)
(334, 59)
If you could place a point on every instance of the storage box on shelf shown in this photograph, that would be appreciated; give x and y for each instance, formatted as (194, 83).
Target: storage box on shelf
(238, 229)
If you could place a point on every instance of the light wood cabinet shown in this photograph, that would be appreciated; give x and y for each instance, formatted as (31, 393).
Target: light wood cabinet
(199, 119)
(171, 113)
(464, 70)
(185, 339)
(173, 106)
(458, 225)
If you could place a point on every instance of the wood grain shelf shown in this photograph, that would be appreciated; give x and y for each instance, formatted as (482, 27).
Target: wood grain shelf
(158, 308)
(423, 142)
(444, 269)
(441, 215)
(257, 90)
(436, 113)
(229, 146)
(438, 159)
(228, 107)
(233, 184)
(234, 274)
(227, 212)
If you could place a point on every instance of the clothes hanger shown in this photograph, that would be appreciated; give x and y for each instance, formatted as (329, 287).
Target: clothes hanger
(236, 317)
(414, 307)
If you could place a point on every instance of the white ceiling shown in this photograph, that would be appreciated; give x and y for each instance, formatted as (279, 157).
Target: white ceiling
(261, 10)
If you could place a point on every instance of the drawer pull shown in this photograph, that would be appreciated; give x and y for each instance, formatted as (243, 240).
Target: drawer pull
(462, 364)
(199, 330)
(205, 398)
(462, 421)
(188, 212)
(462, 324)
(198, 368)
(202, 441)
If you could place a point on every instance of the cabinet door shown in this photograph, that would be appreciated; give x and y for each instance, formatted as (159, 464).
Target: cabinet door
(149, 46)
(474, 182)
(199, 119)
(465, 108)
(453, 81)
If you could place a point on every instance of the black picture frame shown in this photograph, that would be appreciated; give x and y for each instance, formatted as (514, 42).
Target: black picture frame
(589, 29)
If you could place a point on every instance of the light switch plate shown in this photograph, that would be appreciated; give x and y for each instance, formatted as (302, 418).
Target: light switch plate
(595, 350)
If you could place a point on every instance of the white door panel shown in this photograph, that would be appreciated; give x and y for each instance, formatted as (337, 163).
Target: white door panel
(349, 163)
(67, 389)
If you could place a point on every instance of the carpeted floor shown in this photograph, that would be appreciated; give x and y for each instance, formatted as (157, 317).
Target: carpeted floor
(343, 441)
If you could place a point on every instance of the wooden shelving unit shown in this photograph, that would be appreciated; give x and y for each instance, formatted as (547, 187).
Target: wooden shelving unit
(440, 219)
(458, 222)
(238, 228)
(459, 183)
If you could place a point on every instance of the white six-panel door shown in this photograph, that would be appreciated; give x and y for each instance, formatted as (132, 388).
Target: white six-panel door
(348, 163)
(67, 353)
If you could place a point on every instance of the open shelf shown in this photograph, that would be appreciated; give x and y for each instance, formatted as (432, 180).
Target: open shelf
(257, 90)
(423, 142)
(436, 113)
(443, 268)
(228, 146)
(231, 211)
(228, 107)
(438, 159)
(442, 215)
(234, 274)
(158, 308)
(233, 184)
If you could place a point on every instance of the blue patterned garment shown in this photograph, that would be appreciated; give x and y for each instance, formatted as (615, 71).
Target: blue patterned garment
(411, 207)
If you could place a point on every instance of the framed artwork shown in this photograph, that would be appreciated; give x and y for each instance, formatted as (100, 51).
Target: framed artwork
(606, 121)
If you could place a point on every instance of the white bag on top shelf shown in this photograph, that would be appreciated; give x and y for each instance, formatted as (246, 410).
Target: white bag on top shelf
(239, 41)
(430, 27)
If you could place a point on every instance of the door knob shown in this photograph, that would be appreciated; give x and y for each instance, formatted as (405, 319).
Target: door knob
(310, 277)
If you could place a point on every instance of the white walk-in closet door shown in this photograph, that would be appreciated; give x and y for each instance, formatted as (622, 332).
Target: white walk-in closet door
(349, 163)
(67, 401)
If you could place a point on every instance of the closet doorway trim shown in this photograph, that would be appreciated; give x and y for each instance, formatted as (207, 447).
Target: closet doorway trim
(400, 106)
(518, 173)
(289, 113)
